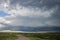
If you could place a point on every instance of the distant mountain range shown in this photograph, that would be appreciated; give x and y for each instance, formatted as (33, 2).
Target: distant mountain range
(31, 29)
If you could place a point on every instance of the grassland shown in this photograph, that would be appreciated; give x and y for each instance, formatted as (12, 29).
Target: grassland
(32, 36)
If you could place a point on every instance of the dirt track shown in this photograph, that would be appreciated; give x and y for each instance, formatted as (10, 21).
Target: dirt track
(21, 37)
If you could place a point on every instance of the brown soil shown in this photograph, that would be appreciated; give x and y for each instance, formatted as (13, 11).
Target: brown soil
(21, 37)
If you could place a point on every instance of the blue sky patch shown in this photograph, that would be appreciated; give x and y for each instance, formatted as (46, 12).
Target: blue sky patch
(3, 14)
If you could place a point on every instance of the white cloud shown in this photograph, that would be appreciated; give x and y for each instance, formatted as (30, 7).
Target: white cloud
(2, 20)
(31, 12)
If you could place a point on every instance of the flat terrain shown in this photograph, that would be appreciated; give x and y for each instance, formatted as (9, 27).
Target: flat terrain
(29, 36)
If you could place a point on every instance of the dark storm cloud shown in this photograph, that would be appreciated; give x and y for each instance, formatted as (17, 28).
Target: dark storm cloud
(48, 4)
(42, 20)
(37, 3)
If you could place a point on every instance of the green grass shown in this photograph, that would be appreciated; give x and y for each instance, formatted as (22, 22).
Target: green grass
(7, 36)
(32, 36)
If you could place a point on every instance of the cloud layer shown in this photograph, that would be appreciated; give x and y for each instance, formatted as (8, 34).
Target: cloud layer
(30, 12)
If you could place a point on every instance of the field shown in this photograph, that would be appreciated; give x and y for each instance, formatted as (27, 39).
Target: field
(30, 36)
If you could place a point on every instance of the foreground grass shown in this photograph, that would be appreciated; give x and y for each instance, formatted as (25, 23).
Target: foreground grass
(7, 36)
(32, 36)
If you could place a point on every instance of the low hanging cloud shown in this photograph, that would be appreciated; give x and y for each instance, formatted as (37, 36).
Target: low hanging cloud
(31, 12)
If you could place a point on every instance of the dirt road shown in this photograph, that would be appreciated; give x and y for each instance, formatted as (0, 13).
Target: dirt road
(21, 37)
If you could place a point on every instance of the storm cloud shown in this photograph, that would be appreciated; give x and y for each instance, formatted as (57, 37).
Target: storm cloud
(31, 13)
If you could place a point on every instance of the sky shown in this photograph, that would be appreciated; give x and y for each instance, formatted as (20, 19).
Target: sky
(3, 14)
(29, 13)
